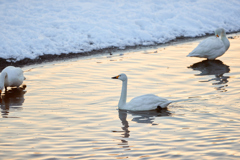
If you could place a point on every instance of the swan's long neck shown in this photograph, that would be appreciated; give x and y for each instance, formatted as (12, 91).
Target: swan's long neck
(225, 40)
(2, 79)
(123, 97)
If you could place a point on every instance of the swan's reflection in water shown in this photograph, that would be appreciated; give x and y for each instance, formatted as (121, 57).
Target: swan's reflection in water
(12, 100)
(213, 67)
(139, 117)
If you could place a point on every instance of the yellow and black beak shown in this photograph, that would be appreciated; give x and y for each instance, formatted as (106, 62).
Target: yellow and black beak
(115, 77)
(217, 35)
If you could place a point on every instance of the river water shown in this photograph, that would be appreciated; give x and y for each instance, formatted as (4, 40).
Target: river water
(69, 108)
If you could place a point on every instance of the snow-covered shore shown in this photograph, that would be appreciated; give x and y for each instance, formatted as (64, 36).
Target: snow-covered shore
(32, 28)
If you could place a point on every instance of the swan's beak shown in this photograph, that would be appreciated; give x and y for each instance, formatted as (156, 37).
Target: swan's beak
(115, 77)
(217, 35)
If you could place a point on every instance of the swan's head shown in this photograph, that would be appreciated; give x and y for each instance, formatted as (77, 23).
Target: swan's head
(219, 32)
(122, 77)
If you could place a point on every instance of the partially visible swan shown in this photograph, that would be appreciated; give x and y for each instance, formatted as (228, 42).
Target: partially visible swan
(141, 103)
(212, 47)
(11, 77)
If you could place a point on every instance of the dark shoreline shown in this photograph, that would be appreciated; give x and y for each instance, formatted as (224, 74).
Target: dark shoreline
(67, 56)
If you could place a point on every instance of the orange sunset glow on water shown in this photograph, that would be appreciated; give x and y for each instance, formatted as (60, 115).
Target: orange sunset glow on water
(69, 108)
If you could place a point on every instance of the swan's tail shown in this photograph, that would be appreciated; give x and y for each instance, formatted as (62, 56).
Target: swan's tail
(193, 54)
(189, 55)
(164, 105)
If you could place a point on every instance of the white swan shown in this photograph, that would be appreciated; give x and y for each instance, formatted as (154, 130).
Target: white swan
(212, 47)
(141, 103)
(11, 77)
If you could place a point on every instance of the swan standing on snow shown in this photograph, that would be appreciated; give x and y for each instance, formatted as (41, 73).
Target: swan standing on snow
(212, 47)
(11, 77)
(141, 103)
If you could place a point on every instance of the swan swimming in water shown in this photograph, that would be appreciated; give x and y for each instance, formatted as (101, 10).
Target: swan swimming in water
(141, 103)
(11, 77)
(212, 47)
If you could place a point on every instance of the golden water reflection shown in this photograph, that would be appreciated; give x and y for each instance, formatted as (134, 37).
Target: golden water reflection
(146, 117)
(140, 117)
(69, 110)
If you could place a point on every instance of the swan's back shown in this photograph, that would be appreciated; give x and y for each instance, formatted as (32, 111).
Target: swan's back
(146, 102)
(209, 48)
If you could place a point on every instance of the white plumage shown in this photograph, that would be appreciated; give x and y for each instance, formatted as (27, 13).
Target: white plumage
(212, 47)
(11, 77)
(141, 103)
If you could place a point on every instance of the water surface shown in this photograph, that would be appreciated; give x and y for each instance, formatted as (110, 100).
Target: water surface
(69, 109)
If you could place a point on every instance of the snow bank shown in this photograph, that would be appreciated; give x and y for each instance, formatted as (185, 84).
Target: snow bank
(30, 28)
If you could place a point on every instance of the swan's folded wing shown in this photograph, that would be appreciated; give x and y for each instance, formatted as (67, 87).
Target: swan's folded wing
(208, 48)
(147, 102)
